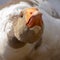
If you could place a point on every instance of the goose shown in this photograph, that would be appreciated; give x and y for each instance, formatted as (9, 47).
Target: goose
(28, 32)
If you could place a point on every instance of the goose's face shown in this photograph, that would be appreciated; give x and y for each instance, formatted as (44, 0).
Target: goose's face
(29, 26)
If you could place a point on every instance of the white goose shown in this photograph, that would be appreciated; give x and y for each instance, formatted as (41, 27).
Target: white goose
(10, 50)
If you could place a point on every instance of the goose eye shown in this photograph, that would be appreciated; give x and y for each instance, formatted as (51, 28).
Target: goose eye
(21, 14)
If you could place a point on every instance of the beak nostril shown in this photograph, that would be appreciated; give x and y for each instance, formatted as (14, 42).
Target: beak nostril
(30, 12)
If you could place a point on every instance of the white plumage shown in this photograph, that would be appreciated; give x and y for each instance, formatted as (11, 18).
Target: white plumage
(50, 46)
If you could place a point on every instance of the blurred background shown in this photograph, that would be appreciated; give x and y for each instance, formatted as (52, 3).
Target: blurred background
(4, 3)
(54, 3)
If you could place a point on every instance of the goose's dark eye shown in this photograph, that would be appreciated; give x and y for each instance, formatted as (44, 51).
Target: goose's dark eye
(21, 14)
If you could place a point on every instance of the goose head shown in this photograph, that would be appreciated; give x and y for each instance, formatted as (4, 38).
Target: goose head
(27, 27)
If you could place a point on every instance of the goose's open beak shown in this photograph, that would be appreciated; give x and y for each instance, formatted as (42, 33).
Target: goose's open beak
(33, 17)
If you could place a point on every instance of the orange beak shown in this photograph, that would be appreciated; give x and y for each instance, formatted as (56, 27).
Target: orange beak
(33, 17)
